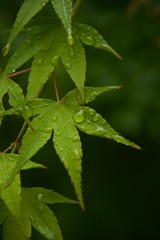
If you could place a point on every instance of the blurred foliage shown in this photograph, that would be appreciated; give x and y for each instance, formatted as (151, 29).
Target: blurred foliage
(121, 185)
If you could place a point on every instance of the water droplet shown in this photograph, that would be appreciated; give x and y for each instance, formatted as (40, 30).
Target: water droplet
(13, 71)
(68, 121)
(40, 195)
(32, 219)
(28, 111)
(43, 4)
(68, 65)
(86, 39)
(54, 60)
(5, 49)
(61, 149)
(38, 62)
(71, 54)
(56, 143)
(78, 170)
(44, 136)
(58, 133)
(96, 117)
(48, 130)
(54, 118)
(95, 32)
(83, 128)
(70, 40)
(75, 138)
(79, 116)
(77, 154)
(41, 208)
(65, 163)
(91, 111)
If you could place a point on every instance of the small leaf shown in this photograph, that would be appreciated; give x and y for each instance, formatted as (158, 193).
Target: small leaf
(28, 9)
(11, 195)
(94, 124)
(43, 65)
(90, 93)
(73, 58)
(12, 231)
(68, 147)
(3, 211)
(41, 217)
(63, 9)
(49, 196)
(91, 37)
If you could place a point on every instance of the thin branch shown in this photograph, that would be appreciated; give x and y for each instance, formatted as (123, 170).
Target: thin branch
(55, 87)
(17, 73)
(75, 8)
(19, 137)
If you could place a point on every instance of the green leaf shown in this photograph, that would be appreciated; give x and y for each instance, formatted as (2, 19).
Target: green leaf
(73, 59)
(12, 230)
(28, 10)
(91, 37)
(41, 217)
(92, 123)
(3, 211)
(43, 65)
(3, 91)
(68, 147)
(11, 195)
(90, 93)
(63, 9)
(49, 196)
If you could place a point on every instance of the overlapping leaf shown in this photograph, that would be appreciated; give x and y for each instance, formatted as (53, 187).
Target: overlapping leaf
(48, 46)
(63, 118)
(28, 9)
(34, 213)
(63, 9)
(16, 98)
(11, 195)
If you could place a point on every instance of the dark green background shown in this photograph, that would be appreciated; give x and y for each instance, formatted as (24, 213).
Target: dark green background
(120, 184)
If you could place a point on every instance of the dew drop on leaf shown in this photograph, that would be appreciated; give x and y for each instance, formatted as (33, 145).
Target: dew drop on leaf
(75, 138)
(61, 149)
(77, 154)
(54, 60)
(96, 117)
(48, 130)
(43, 4)
(70, 40)
(41, 208)
(86, 39)
(78, 170)
(91, 112)
(68, 65)
(54, 118)
(65, 163)
(79, 116)
(56, 143)
(58, 133)
(44, 136)
(83, 128)
(32, 219)
(38, 62)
